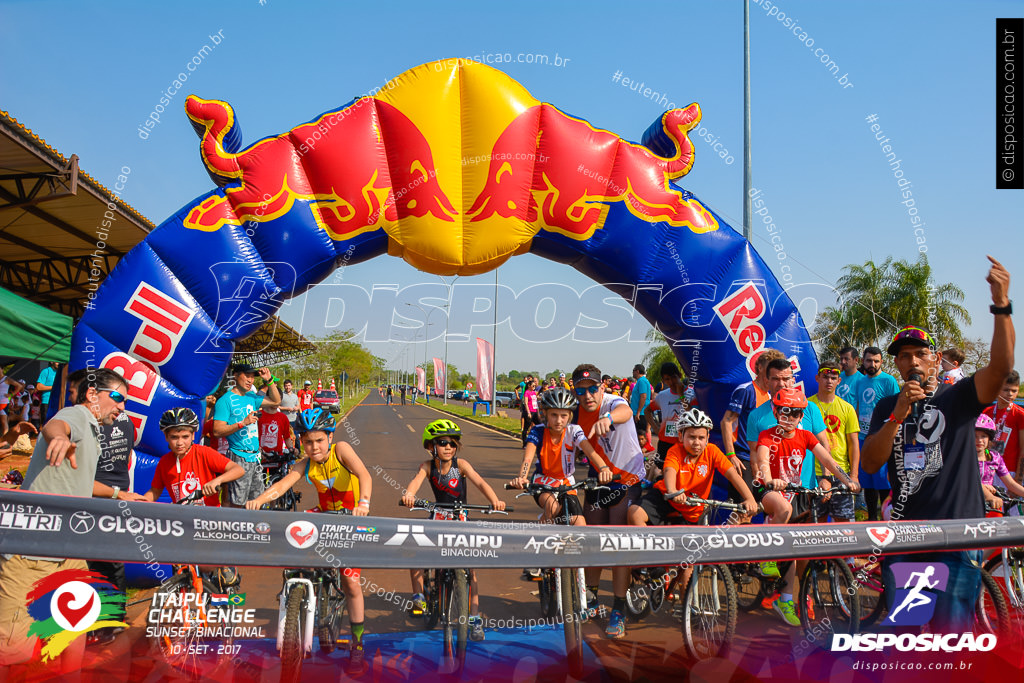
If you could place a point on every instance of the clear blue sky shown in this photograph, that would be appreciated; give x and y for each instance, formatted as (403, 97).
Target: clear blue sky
(85, 76)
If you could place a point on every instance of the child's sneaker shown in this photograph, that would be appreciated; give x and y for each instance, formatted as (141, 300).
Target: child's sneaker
(766, 603)
(356, 661)
(787, 610)
(419, 604)
(810, 609)
(769, 569)
(616, 625)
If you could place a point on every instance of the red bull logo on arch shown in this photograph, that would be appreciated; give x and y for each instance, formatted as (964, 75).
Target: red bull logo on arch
(455, 168)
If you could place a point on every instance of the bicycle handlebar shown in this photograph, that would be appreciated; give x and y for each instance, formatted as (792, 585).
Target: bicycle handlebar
(590, 484)
(724, 504)
(196, 495)
(796, 488)
(428, 506)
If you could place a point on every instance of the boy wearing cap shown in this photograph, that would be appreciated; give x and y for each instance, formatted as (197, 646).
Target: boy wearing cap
(842, 428)
(926, 435)
(306, 396)
(235, 418)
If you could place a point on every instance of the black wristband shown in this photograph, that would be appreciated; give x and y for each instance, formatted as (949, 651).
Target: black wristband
(1001, 310)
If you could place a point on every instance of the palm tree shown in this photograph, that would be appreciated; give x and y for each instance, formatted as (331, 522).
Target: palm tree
(875, 300)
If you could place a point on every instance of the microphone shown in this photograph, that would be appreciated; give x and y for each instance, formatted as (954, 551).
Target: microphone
(915, 408)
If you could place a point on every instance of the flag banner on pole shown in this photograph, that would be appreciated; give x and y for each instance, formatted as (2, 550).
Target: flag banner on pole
(440, 381)
(421, 380)
(484, 367)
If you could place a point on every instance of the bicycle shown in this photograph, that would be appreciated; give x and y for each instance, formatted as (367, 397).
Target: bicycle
(447, 591)
(186, 598)
(275, 467)
(827, 599)
(310, 600)
(709, 604)
(1008, 565)
(562, 590)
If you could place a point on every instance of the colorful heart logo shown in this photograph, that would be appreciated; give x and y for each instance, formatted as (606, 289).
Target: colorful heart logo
(881, 535)
(75, 606)
(301, 534)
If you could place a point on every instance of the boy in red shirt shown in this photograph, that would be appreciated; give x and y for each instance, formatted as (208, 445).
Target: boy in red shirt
(778, 461)
(275, 430)
(1009, 418)
(189, 466)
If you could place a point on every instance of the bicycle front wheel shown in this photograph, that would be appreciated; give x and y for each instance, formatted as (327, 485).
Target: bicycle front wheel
(1010, 574)
(456, 619)
(709, 611)
(291, 640)
(182, 650)
(572, 612)
(829, 601)
(991, 615)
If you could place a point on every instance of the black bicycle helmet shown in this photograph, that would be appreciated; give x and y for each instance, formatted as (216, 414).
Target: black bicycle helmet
(439, 428)
(313, 420)
(559, 397)
(179, 417)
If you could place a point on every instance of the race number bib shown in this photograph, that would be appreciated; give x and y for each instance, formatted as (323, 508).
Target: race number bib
(914, 458)
(671, 429)
(545, 480)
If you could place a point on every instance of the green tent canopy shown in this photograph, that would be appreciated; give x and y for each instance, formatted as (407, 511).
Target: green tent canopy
(28, 330)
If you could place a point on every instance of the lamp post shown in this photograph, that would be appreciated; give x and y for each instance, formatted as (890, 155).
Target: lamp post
(426, 325)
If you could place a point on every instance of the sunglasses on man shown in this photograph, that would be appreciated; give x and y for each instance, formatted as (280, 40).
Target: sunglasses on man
(580, 391)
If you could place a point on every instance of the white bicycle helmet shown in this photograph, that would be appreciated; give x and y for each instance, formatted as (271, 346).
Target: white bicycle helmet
(694, 417)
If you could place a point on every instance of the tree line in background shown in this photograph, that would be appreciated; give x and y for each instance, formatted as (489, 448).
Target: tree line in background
(874, 301)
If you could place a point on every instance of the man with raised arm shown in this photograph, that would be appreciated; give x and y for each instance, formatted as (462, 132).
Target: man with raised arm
(926, 435)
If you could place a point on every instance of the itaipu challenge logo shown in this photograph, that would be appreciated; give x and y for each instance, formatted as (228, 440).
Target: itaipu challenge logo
(69, 604)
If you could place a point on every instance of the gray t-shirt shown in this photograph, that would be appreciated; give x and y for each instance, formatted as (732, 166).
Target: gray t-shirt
(289, 401)
(65, 480)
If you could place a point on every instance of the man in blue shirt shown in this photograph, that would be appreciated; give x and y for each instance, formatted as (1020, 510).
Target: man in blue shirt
(745, 398)
(849, 376)
(779, 375)
(640, 396)
(234, 418)
(44, 384)
(873, 386)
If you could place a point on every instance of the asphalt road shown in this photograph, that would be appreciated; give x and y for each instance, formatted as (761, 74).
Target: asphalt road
(389, 443)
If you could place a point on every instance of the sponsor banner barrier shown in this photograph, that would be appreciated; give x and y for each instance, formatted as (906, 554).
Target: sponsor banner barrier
(43, 525)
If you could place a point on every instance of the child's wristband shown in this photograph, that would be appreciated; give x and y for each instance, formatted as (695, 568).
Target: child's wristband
(730, 454)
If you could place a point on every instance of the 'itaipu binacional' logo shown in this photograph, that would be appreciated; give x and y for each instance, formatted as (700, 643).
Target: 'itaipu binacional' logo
(69, 604)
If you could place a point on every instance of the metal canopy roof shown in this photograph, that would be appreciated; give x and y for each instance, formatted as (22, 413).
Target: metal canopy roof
(52, 235)
(51, 222)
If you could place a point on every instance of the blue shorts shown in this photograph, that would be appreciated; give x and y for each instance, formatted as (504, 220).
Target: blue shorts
(878, 480)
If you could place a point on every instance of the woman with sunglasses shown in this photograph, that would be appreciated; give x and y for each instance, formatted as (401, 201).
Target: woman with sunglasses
(448, 477)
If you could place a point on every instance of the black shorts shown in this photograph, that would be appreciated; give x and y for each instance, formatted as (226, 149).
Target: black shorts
(800, 504)
(660, 511)
(604, 500)
(575, 506)
(663, 447)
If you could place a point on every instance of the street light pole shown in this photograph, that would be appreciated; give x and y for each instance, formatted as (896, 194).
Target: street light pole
(426, 326)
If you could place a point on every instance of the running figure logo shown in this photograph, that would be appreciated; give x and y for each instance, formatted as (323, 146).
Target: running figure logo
(917, 583)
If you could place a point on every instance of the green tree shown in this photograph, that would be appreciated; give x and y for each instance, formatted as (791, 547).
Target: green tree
(334, 354)
(658, 354)
(875, 300)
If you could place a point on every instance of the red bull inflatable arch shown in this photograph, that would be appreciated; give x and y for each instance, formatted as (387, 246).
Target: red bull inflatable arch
(454, 167)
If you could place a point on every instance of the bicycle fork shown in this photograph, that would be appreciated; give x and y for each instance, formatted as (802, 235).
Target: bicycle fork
(309, 618)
